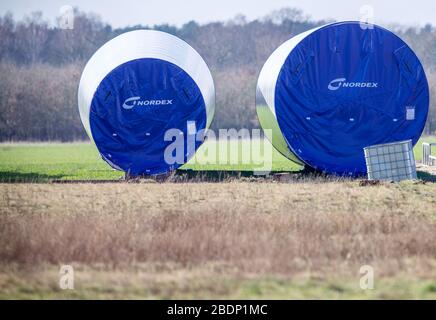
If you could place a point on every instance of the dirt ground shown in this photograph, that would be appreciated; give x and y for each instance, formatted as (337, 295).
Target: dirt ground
(235, 239)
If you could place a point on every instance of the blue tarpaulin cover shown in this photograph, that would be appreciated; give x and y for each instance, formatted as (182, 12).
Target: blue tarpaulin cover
(133, 107)
(343, 88)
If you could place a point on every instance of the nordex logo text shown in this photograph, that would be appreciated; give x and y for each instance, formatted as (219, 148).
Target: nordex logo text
(131, 102)
(342, 83)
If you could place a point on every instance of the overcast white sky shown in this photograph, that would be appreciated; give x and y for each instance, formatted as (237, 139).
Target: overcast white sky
(121, 13)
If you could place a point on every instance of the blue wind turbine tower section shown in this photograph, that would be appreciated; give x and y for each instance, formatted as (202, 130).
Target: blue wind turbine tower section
(133, 136)
(331, 91)
(142, 92)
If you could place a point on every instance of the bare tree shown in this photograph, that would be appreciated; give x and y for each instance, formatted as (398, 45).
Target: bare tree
(40, 67)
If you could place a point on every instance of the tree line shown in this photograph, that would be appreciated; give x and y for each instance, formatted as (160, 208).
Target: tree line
(40, 67)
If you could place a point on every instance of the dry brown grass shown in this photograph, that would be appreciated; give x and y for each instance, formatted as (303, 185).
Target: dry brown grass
(251, 228)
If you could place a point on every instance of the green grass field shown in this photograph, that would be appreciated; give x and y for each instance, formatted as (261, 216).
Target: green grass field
(39, 162)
